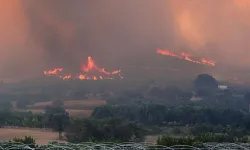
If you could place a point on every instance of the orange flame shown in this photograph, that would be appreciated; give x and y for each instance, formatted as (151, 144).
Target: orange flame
(211, 63)
(90, 67)
(94, 78)
(66, 77)
(53, 72)
(187, 57)
(116, 72)
(81, 77)
(167, 53)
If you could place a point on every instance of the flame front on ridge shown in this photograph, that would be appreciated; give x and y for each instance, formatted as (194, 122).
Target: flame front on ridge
(90, 71)
(186, 57)
(53, 71)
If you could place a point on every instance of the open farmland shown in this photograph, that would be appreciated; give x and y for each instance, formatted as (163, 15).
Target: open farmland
(72, 112)
(42, 137)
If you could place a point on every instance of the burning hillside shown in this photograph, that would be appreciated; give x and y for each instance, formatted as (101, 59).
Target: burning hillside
(88, 72)
(187, 57)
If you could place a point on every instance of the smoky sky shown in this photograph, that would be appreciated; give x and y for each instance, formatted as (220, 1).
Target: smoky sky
(69, 31)
(42, 34)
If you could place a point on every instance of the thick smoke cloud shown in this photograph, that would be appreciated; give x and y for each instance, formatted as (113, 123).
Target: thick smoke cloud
(217, 28)
(39, 34)
(14, 47)
(69, 31)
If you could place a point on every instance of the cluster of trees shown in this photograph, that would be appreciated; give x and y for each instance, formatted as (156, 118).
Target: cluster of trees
(166, 95)
(104, 130)
(104, 125)
(205, 87)
(54, 117)
(157, 114)
(21, 119)
(77, 130)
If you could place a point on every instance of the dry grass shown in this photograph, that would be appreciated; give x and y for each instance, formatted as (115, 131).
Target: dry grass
(72, 103)
(42, 137)
(72, 112)
(41, 104)
(79, 113)
(36, 111)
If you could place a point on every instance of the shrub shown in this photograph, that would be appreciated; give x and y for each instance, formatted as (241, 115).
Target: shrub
(26, 140)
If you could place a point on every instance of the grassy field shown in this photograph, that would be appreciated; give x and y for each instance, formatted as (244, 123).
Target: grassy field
(42, 137)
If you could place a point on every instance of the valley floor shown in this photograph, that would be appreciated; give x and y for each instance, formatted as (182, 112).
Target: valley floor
(41, 136)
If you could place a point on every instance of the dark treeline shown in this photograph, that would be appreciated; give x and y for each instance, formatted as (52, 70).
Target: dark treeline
(20, 119)
(53, 117)
(156, 114)
(104, 130)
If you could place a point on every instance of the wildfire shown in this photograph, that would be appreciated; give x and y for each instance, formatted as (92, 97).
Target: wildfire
(91, 65)
(87, 71)
(53, 71)
(187, 57)
(66, 77)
